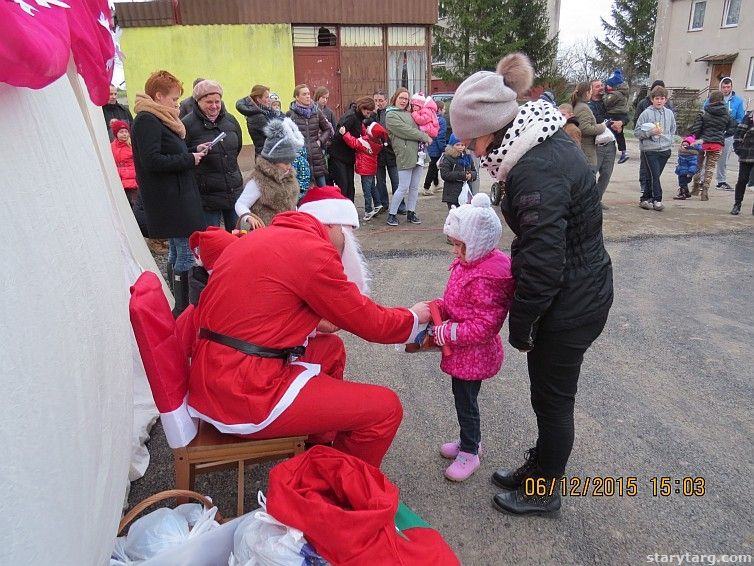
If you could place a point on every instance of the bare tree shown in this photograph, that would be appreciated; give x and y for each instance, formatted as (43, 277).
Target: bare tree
(575, 62)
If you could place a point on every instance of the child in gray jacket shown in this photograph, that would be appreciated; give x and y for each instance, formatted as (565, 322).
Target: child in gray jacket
(655, 129)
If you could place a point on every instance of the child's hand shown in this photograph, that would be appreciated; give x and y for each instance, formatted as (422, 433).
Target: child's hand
(342, 130)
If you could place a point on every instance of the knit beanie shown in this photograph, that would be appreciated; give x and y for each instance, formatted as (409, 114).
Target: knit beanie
(615, 78)
(119, 125)
(274, 97)
(205, 88)
(284, 139)
(486, 102)
(329, 206)
(476, 225)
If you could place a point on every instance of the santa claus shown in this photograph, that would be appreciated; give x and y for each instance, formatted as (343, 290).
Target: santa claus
(263, 367)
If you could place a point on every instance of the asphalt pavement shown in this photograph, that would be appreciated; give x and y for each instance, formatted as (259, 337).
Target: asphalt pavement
(666, 391)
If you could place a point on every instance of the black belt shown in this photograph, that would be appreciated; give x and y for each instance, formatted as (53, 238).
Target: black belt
(251, 349)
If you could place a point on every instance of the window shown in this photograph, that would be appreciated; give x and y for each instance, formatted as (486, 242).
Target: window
(697, 15)
(750, 80)
(407, 68)
(314, 36)
(731, 13)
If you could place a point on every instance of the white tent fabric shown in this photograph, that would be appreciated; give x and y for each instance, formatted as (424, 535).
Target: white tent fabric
(76, 406)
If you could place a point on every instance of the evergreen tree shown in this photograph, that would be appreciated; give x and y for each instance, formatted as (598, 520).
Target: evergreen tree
(478, 33)
(628, 41)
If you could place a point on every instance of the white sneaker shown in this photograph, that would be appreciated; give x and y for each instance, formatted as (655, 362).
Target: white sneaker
(377, 209)
(646, 205)
(369, 215)
(658, 206)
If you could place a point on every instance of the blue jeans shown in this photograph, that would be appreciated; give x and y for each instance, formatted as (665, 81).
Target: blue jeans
(320, 181)
(370, 192)
(227, 215)
(650, 168)
(179, 254)
(465, 393)
(383, 172)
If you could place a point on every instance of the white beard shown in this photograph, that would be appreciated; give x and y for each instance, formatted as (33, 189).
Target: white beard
(354, 264)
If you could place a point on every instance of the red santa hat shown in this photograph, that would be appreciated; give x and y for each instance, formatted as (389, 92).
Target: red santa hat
(209, 244)
(118, 125)
(376, 131)
(329, 206)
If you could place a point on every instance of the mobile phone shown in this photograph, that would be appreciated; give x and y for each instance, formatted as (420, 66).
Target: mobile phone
(214, 141)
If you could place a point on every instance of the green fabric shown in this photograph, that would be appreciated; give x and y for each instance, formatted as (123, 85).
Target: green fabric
(406, 519)
(404, 136)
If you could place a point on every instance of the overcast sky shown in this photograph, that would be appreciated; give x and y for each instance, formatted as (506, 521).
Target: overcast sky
(581, 18)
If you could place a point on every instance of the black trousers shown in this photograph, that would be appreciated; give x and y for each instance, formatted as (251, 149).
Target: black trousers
(554, 367)
(465, 393)
(342, 176)
(433, 175)
(745, 171)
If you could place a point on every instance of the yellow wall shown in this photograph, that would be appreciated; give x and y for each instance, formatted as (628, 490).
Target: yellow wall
(237, 56)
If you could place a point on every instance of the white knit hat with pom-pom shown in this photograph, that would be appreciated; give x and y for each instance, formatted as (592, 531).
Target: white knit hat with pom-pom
(476, 225)
(486, 102)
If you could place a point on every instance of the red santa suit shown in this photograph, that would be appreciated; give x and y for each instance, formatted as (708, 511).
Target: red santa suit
(271, 288)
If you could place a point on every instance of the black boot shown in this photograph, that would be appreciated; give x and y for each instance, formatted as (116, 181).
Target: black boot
(518, 503)
(180, 292)
(413, 218)
(736, 209)
(508, 479)
(171, 274)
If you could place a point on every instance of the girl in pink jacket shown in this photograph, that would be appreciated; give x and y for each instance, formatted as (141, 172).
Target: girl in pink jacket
(473, 309)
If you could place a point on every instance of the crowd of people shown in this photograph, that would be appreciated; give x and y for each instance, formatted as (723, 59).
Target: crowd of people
(266, 359)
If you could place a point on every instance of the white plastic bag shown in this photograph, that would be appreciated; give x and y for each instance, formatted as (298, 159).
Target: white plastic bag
(262, 540)
(466, 194)
(153, 533)
(605, 137)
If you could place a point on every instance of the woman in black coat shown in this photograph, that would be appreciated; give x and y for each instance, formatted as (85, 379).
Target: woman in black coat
(315, 128)
(256, 107)
(218, 175)
(342, 157)
(564, 283)
(165, 173)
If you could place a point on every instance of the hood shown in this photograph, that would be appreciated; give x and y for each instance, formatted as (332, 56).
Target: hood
(269, 170)
(300, 221)
(491, 266)
(393, 109)
(717, 109)
(253, 108)
(572, 120)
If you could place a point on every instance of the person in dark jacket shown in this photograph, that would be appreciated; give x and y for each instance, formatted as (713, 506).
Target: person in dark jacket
(218, 175)
(435, 151)
(256, 107)
(315, 129)
(712, 125)
(188, 104)
(564, 282)
(321, 96)
(646, 102)
(165, 174)
(342, 156)
(386, 163)
(456, 168)
(743, 145)
(113, 110)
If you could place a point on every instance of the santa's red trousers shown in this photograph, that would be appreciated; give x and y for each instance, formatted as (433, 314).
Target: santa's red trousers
(360, 419)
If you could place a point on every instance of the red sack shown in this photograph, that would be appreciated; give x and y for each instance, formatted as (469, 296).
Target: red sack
(346, 508)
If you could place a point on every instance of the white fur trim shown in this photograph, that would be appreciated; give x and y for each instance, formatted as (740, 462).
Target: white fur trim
(180, 428)
(310, 370)
(415, 329)
(332, 211)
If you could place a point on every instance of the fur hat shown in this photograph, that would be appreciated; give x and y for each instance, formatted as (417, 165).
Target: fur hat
(329, 206)
(119, 125)
(486, 101)
(418, 98)
(205, 88)
(284, 139)
(376, 131)
(208, 244)
(615, 78)
(476, 225)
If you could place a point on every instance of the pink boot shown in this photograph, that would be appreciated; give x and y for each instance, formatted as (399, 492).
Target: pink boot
(462, 467)
(450, 450)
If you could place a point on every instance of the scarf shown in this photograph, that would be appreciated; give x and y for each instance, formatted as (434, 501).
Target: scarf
(535, 122)
(305, 111)
(168, 116)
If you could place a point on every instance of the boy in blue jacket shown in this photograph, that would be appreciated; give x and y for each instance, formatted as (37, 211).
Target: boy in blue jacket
(688, 163)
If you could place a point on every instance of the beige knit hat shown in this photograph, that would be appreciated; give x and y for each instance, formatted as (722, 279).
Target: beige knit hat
(205, 88)
(476, 225)
(486, 101)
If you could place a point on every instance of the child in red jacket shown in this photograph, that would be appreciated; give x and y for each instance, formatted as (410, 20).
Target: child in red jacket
(368, 146)
(124, 158)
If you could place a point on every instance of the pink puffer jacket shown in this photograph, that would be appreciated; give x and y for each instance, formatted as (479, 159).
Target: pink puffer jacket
(475, 305)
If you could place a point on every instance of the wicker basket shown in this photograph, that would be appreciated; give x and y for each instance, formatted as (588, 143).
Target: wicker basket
(169, 494)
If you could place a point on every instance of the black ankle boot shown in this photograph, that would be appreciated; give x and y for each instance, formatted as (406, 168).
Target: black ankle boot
(518, 503)
(413, 218)
(514, 479)
(180, 292)
(736, 209)
(171, 274)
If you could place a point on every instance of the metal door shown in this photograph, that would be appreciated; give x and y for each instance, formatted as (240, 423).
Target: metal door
(319, 66)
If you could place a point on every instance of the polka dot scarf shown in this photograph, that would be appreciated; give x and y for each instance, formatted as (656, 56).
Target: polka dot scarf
(535, 122)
